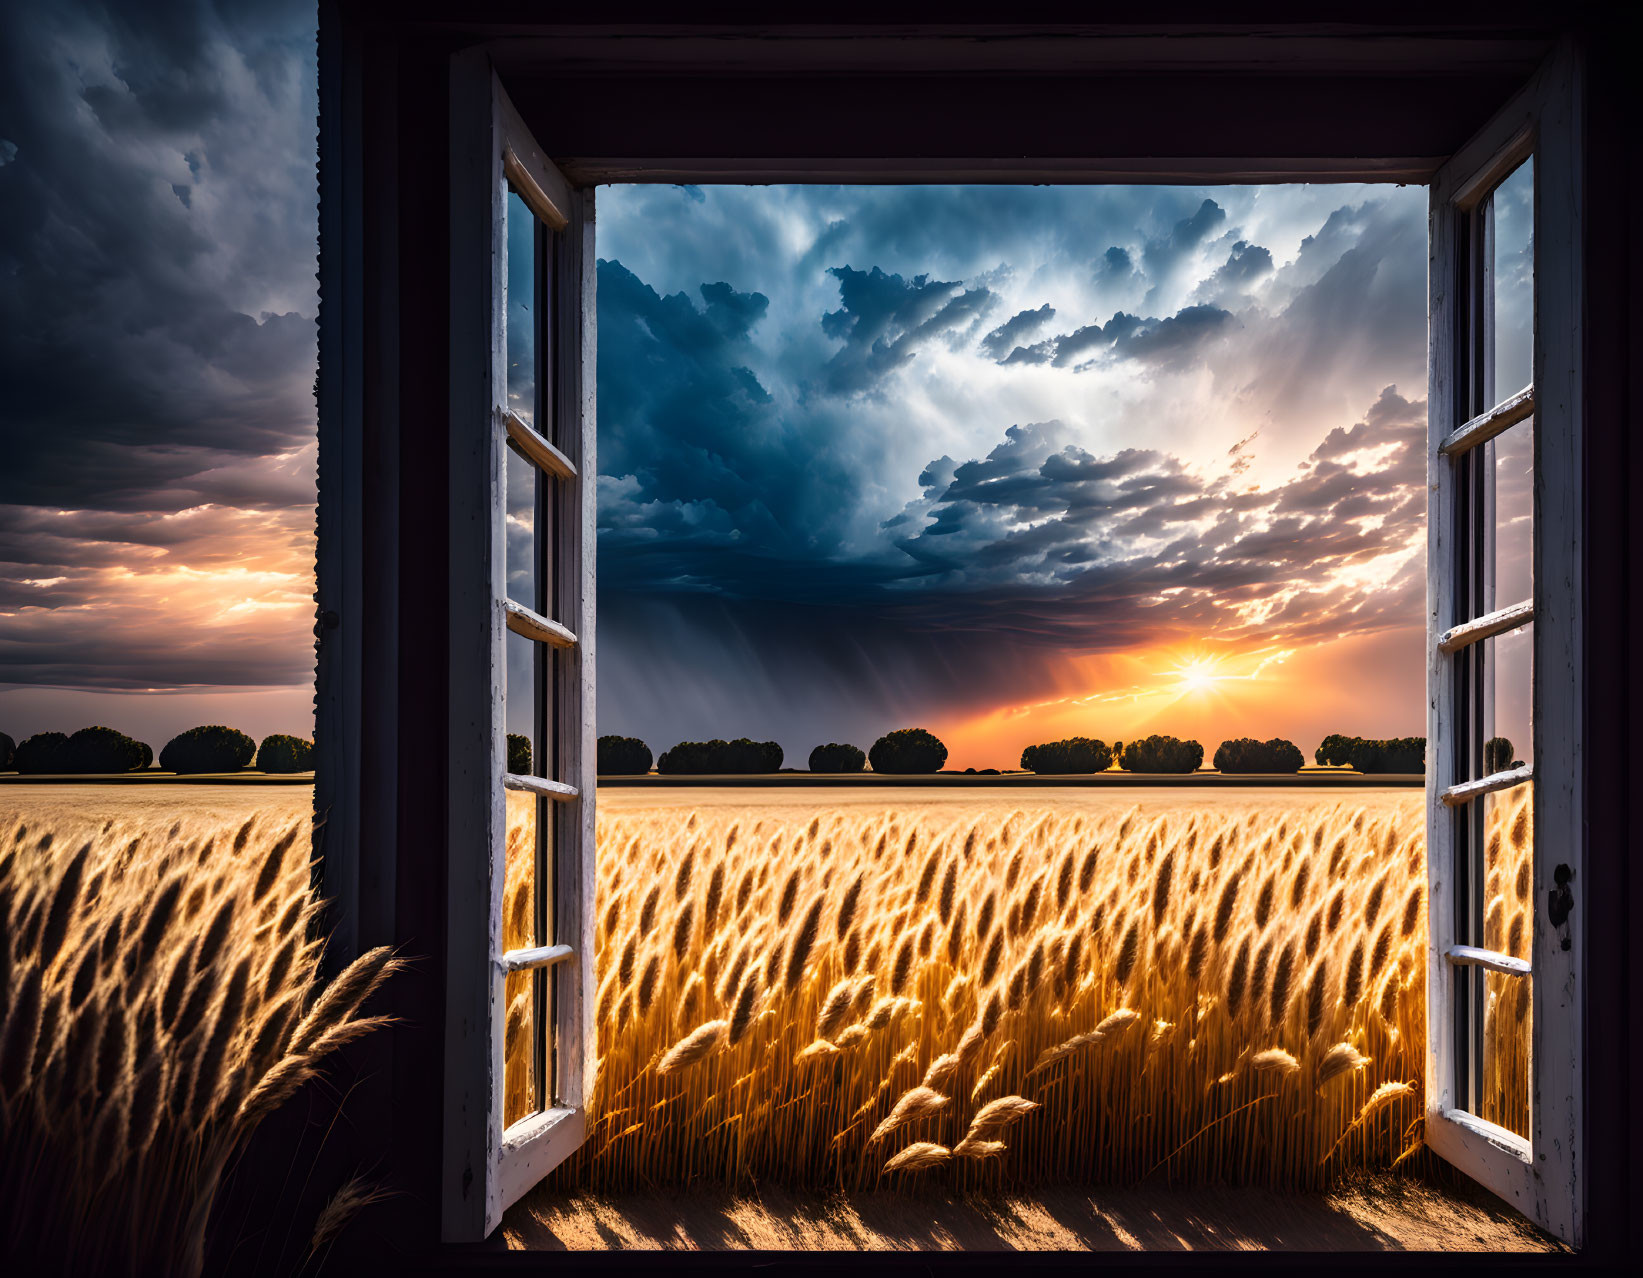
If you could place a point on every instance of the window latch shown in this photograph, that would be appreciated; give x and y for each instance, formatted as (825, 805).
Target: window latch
(1560, 903)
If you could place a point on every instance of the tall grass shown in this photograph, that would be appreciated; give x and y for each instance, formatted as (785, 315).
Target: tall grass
(159, 1001)
(1190, 995)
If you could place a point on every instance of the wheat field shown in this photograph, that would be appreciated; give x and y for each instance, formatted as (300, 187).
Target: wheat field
(823, 994)
(160, 1000)
(877, 997)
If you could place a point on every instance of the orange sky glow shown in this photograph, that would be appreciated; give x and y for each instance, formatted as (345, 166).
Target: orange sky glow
(1207, 693)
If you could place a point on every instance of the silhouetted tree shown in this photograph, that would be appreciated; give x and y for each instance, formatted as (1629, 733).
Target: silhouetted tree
(1246, 754)
(519, 754)
(1334, 750)
(718, 757)
(1497, 755)
(208, 748)
(8, 752)
(281, 752)
(836, 756)
(43, 752)
(1075, 754)
(623, 757)
(101, 749)
(1163, 754)
(1393, 754)
(908, 750)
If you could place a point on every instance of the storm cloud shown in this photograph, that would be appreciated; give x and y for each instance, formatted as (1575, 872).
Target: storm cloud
(792, 563)
(157, 303)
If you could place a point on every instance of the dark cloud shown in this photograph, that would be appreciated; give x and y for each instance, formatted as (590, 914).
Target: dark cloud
(1161, 255)
(883, 319)
(1245, 265)
(157, 339)
(1173, 342)
(1083, 341)
(1247, 262)
(733, 314)
(1115, 265)
(688, 421)
(1003, 339)
(1038, 353)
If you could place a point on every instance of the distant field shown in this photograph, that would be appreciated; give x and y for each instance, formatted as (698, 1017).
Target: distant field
(152, 802)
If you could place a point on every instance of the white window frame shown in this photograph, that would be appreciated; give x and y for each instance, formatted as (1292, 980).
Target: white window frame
(1541, 1175)
(485, 1165)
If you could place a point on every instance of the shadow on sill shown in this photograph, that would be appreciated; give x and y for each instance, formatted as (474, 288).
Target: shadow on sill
(1376, 1213)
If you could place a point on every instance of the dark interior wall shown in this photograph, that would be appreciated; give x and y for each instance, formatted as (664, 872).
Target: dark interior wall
(421, 204)
(1614, 624)
(1386, 110)
(1161, 98)
(384, 396)
(1105, 127)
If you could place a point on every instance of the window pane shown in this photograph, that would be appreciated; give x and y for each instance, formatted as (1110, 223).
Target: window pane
(519, 705)
(519, 914)
(1514, 485)
(1508, 664)
(1504, 733)
(521, 312)
(1513, 268)
(1508, 887)
(522, 478)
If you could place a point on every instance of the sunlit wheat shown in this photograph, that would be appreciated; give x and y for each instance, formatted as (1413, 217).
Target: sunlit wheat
(160, 1000)
(1189, 992)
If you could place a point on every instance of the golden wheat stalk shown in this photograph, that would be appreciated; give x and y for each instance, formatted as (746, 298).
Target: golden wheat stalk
(160, 999)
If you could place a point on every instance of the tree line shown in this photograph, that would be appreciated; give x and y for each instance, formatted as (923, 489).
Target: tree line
(909, 751)
(211, 747)
(906, 751)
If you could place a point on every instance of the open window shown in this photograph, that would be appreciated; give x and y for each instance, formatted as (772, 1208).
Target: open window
(519, 1033)
(1505, 828)
(416, 694)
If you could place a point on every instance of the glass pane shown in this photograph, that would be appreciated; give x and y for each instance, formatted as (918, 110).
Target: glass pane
(1514, 491)
(522, 477)
(519, 705)
(521, 312)
(1513, 267)
(1508, 898)
(1506, 731)
(519, 914)
(520, 518)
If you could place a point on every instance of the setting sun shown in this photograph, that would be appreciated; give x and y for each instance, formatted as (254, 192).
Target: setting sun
(1198, 676)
